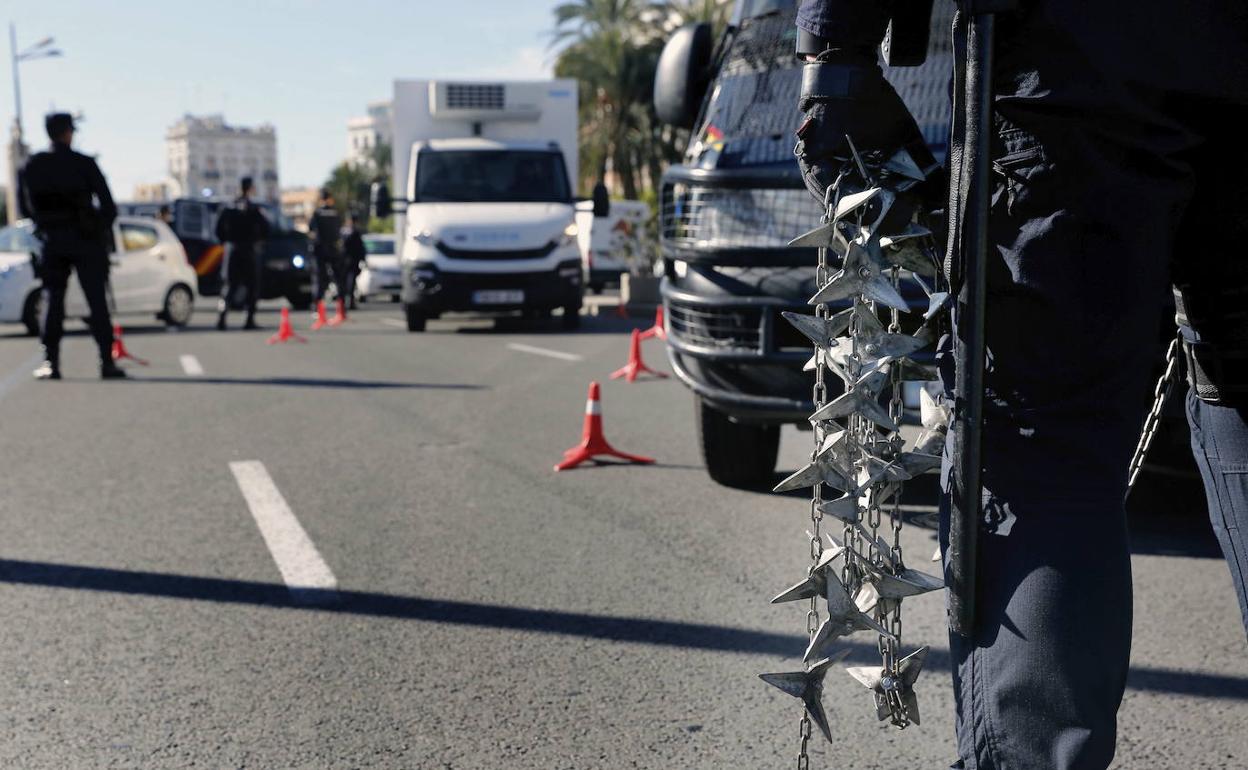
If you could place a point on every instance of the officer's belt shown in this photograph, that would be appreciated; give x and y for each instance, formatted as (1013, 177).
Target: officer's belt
(1217, 376)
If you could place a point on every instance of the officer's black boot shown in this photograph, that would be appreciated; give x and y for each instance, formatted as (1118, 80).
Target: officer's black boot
(110, 370)
(221, 321)
(50, 369)
(251, 319)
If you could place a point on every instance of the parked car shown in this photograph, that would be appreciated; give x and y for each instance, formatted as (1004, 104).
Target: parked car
(285, 270)
(381, 276)
(149, 274)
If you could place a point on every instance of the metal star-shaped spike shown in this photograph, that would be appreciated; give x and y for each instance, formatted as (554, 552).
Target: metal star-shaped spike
(912, 371)
(825, 236)
(845, 508)
(868, 598)
(823, 332)
(830, 467)
(864, 272)
(843, 619)
(815, 583)
(907, 582)
(902, 164)
(895, 687)
(934, 413)
(848, 204)
(906, 250)
(808, 686)
(862, 399)
(876, 342)
(936, 304)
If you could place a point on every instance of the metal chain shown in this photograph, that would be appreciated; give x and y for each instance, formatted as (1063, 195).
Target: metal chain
(1161, 394)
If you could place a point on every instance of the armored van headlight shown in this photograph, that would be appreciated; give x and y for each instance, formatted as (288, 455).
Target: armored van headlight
(298, 261)
(569, 235)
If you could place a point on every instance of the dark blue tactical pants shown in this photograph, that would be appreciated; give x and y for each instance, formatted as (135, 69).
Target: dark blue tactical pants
(1120, 165)
(91, 263)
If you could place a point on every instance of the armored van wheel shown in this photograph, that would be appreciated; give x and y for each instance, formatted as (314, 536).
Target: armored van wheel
(736, 454)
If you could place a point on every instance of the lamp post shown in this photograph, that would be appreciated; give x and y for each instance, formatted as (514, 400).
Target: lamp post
(17, 147)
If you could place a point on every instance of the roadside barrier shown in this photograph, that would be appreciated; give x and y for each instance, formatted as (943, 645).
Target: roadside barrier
(119, 349)
(593, 442)
(321, 320)
(286, 332)
(635, 365)
(340, 312)
(658, 329)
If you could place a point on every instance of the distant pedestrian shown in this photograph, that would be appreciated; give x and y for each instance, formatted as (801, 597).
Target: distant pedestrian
(66, 195)
(165, 214)
(240, 228)
(325, 228)
(356, 256)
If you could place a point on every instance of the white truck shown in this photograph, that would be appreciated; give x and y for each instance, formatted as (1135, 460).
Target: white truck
(485, 221)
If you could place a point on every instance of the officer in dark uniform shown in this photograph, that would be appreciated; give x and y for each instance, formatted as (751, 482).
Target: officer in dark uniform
(241, 227)
(1119, 162)
(65, 194)
(355, 256)
(325, 227)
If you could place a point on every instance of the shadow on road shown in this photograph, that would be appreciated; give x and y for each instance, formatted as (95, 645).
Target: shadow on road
(606, 628)
(307, 382)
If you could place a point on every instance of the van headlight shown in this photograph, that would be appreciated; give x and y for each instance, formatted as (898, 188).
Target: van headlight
(298, 261)
(569, 235)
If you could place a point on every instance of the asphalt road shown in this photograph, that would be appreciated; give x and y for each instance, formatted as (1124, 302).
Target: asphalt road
(471, 608)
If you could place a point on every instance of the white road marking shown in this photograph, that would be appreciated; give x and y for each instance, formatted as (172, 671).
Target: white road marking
(191, 365)
(545, 352)
(20, 374)
(395, 322)
(306, 574)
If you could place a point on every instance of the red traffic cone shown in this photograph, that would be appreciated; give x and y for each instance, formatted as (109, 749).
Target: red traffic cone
(593, 443)
(119, 348)
(621, 310)
(321, 320)
(658, 329)
(285, 332)
(635, 365)
(340, 312)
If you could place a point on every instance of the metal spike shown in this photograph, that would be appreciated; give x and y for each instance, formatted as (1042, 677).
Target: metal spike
(826, 236)
(854, 201)
(899, 684)
(830, 466)
(902, 164)
(933, 414)
(808, 686)
(815, 583)
(936, 304)
(863, 272)
(912, 371)
(907, 250)
(861, 401)
(906, 583)
(843, 619)
(821, 331)
(845, 508)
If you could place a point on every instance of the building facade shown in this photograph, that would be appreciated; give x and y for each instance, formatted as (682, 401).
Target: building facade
(207, 158)
(298, 203)
(365, 133)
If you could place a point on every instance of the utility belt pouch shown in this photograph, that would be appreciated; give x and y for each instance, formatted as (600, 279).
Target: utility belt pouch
(1216, 376)
(905, 42)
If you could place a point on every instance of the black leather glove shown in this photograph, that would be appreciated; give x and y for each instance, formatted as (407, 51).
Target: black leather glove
(844, 93)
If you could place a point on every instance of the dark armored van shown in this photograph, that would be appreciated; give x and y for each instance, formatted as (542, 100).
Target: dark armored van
(727, 214)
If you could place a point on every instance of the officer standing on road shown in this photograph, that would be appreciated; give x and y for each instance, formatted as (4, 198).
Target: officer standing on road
(65, 194)
(1118, 161)
(241, 227)
(325, 227)
(356, 255)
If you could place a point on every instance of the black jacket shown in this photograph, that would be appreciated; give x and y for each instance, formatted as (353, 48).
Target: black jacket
(353, 247)
(65, 194)
(241, 226)
(325, 228)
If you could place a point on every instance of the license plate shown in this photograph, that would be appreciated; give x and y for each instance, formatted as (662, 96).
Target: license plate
(498, 297)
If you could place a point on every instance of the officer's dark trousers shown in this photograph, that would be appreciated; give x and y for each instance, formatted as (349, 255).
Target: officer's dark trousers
(242, 282)
(323, 272)
(1120, 168)
(90, 262)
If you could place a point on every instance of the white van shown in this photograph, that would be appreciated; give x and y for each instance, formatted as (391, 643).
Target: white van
(613, 244)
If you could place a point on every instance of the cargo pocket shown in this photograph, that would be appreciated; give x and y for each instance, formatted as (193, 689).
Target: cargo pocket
(1019, 165)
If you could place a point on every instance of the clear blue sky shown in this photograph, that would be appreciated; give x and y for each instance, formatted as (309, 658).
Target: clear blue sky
(306, 66)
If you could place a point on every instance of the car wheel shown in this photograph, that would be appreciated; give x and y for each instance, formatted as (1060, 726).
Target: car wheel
(571, 317)
(736, 455)
(32, 313)
(179, 305)
(415, 318)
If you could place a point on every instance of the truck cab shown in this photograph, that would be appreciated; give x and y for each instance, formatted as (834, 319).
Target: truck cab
(487, 220)
(727, 214)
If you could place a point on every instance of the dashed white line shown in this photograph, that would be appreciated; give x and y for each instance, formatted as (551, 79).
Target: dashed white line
(394, 322)
(191, 365)
(306, 574)
(545, 352)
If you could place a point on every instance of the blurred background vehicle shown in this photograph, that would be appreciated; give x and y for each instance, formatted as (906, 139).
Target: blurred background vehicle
(149, 275)
(380, 276)
(611, 244)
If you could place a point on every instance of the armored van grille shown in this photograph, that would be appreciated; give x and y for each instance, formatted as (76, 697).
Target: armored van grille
(474, 96)
(717, 329)
(697, 218)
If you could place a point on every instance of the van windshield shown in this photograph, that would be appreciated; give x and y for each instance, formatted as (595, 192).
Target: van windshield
(491, 176)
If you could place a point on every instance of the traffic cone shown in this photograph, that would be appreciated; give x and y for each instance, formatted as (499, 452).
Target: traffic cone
(621, 310)
(321, 320)
(635, 365)
(657, 330)
(119, 348)
(340, 312)
(285, 332)
(593, 443)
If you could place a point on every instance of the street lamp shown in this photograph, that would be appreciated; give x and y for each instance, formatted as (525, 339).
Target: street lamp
(17, 148)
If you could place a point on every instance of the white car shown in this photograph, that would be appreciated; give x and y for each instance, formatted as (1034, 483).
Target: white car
(149, 274)
(381, 275)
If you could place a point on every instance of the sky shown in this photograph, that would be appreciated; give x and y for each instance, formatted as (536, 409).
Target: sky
(133, 67)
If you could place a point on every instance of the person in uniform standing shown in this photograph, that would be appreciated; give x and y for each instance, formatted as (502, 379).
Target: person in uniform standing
(356, 255)
(66, 196)
(240, 228)
(325, 227)
(1117, 156)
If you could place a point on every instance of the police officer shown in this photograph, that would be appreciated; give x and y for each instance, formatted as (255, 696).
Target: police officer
(65, 194)
(240, 228)
(325, 227)
(1119, 162)
(355, 254)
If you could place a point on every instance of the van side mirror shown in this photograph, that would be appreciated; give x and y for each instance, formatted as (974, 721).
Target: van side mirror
(380, 202)
(602, 201)
(682, 75)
